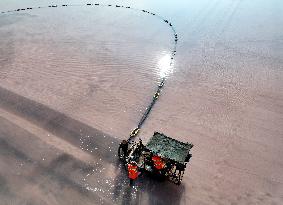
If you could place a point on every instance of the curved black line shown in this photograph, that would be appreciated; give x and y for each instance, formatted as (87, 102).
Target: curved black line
(134, 133)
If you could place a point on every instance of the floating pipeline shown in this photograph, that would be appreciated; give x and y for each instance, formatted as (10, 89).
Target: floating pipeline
(156, 95)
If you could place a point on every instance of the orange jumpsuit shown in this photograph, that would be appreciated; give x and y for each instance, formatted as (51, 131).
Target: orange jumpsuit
(133, 171)
(158, 162)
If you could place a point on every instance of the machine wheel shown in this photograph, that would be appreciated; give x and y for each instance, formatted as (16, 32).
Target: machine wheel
(176, 174)
(180, 177)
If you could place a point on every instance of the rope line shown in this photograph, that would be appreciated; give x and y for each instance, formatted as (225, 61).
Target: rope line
(160, 85)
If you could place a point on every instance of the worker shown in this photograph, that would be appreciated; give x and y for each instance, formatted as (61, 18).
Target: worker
(124, 147)
(133, 171)
(158, 163)
(140, 147)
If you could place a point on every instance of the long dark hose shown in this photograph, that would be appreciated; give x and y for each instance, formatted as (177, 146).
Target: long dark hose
(135, 132)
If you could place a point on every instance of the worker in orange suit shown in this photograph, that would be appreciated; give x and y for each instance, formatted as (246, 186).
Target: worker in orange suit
(133, 171)
(158, 163)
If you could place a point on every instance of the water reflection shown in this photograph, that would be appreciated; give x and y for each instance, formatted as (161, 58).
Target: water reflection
(165, 66)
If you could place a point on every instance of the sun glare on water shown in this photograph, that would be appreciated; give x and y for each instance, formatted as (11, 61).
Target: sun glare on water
(164, 65)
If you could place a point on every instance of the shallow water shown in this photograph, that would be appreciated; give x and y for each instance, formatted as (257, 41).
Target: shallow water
(85, 75)
(91, 57)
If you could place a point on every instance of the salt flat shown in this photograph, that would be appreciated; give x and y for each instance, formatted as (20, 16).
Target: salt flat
(75, 81)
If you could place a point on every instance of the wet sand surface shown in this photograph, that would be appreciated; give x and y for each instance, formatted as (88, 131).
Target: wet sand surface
(75, 81)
